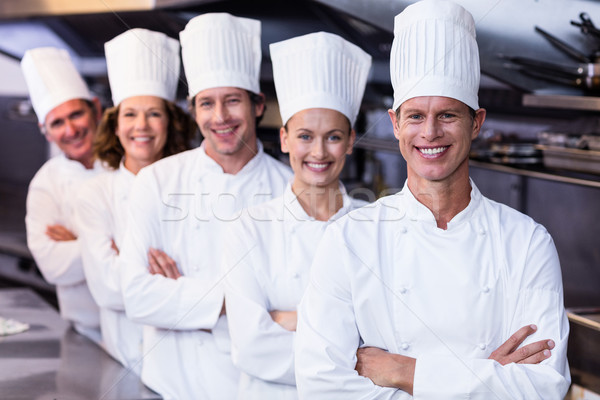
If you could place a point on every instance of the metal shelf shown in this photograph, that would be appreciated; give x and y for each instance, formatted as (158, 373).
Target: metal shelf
(565, 102)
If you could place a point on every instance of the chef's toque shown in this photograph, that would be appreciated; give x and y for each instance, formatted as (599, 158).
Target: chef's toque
(141, 62)
(52, 79)
(221, 50)
(434, 53)
(319, 70)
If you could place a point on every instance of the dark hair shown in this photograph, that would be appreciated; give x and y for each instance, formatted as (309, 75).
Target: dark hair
(255, 99)
(181, 129)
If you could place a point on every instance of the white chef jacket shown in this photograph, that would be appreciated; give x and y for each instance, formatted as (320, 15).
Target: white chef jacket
(50, 200)
(267, 259)
(101, 216)
(180, 205)
(385, 276)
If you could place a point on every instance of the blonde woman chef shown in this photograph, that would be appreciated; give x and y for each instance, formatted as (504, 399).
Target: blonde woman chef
(320, 79)
(143, 126)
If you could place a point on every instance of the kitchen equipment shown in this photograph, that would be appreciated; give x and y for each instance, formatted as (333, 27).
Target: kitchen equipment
(572, 159)
(584, 347)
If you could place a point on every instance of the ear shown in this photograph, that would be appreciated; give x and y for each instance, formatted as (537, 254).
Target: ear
(43, 132)
(351, 141)
(478, 122)
(283, 137)
(259, 107)
(392, 115)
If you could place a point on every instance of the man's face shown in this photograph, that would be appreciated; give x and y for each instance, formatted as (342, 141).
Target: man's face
(72, 126)
(226, 117)
(435, 135)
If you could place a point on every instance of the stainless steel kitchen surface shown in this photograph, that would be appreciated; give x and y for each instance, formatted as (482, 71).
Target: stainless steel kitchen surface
(51, 361)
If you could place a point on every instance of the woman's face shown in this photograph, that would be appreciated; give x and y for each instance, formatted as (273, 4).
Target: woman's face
(142, 129)
(317, 140)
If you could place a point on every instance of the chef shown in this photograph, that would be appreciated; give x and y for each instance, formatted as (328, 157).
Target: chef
(428, 284)
(180, 205)
(68, 115)
(143, 126)
(320, 79)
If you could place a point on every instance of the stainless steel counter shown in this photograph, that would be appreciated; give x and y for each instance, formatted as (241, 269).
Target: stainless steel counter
(52, 361)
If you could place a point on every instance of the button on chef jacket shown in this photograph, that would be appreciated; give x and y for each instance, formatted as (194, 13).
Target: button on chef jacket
(386, 276)
(50, 200)
(101, 215)
(266, 261)
(180, 205)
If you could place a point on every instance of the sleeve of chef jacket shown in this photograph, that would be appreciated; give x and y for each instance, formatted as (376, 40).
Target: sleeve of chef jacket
(93, 218)
(260, 347)
(59, 261)
(183, 304)
(539, 301)
(327, 337)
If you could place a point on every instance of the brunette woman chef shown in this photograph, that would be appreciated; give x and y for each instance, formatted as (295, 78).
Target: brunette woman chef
(143, 126)
(320, 79)
(68, 115)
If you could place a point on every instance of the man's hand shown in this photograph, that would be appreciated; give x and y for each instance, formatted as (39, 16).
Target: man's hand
(160, 263)
(533, 353)
(59, 233)
(386, 369)
(287, 319)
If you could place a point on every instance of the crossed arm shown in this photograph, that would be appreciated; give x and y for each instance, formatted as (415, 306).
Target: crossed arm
(397, 371)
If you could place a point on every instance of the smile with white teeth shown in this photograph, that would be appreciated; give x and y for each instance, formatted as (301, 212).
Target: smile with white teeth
(317, 165)
(141, 139)
(433, 151)
(223, 131)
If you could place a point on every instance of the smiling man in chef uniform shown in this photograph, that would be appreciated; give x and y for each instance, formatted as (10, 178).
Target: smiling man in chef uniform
(68, 115)
(416, 295)
(180, 205)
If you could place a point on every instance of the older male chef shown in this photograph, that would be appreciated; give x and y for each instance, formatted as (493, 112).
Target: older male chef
(430, 281)
(68, 115)
(180, 205)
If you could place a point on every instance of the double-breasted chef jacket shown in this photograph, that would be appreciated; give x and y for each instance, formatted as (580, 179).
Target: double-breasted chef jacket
(51, 200)
(180, 205)
(101, 216)
(266, 261)
(385, 276)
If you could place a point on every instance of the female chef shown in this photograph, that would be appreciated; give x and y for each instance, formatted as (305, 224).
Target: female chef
(143, 126)
(320, 79)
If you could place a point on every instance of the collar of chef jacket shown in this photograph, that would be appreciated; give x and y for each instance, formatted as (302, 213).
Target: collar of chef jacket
(124, 182)
(293, 206)
(77, 166)
(208, 165)
(417, 212)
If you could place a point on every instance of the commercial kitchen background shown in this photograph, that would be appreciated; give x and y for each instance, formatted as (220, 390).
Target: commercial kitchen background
(529, 103)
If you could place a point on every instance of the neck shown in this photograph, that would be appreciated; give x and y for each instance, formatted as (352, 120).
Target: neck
(321, 203)
(87, 162)
(445, 199)
(134, 166)
(233, 163)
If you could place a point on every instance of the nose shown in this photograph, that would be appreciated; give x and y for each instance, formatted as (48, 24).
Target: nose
(432, 129)
(319, 149)
(70, 128)
(221, 113)
(141, 122)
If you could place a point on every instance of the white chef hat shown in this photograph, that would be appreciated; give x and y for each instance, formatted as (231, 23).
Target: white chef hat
(434, 53)
(319, 70)
(219, 49)
(52, 79)
(141, 62)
